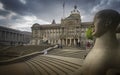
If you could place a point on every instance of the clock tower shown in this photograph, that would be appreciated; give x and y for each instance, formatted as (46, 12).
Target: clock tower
(73, 19)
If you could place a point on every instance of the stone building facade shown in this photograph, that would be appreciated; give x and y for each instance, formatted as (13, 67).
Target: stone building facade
(10, 36)
(69, 32)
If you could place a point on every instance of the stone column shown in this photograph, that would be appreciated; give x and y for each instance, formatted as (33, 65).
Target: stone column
(78, 40)
(15, 37)
(48, 41)
(5, 35)
(66, 42)
(51, 41)
(59, 41)
(55, 41)
(8, 36)
(70, 42)
(19, 37)
(38, 42)
(11, 36)
(74, 42)
(0, 35)
(22, 37)
(33, 42)
(63, 41)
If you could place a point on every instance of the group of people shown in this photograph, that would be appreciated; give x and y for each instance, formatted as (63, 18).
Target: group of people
(88, 45)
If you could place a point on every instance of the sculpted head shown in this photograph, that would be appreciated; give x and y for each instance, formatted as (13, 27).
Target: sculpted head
(105, 20)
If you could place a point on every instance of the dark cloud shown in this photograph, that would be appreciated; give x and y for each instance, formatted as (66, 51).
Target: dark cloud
(15, 6)
(107, 4)
(115, 5)
(52, 9)
(4, 13)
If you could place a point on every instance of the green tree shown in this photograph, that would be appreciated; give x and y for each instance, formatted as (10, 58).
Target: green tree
(89, 33)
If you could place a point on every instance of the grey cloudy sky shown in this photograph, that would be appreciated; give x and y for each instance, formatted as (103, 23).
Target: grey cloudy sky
(21, 14)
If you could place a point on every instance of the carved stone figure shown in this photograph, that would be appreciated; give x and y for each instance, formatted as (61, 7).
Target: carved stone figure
(104, 58)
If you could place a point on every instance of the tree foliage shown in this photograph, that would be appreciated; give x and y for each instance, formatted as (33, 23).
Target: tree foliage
(89, 33)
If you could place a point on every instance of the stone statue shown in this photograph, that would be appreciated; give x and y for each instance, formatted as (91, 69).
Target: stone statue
(104, 58)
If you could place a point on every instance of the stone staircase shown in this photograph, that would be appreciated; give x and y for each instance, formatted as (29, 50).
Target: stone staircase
(45, 65)
(56, 62)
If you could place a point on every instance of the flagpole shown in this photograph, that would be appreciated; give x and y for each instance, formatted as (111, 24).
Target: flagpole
(76, 2)
(63, 9)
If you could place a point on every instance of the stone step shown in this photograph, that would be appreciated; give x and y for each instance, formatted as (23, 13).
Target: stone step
(62, 53)
(34, 68)
(76, 61)
(46, 69)
(64, 65)
(53, 67)
(44, 65)
(74, 54)
(61, 61)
